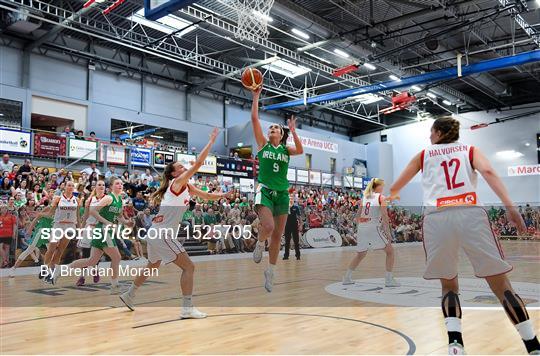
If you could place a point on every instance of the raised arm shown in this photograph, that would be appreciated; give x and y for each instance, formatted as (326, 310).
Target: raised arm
(182, 180)
(255, 122)
(482, 165)
(205, 195)
(298, 149)
(408, 173)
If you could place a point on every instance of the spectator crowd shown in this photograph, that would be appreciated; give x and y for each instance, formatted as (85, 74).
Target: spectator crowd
(26, 190)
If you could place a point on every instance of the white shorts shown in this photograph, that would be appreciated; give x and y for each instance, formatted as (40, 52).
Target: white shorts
(85, 241)
(164, 249)
(370, 237)
(446, 232)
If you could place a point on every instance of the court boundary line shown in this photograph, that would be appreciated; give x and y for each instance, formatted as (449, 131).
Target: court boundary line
(408, 339)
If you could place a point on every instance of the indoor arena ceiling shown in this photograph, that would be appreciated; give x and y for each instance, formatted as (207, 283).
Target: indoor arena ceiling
(394, 37)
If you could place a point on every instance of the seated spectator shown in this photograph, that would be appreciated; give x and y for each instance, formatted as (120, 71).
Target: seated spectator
(139, 203)
(6, 165)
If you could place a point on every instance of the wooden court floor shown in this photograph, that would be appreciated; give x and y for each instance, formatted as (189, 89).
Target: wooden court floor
(298, 317)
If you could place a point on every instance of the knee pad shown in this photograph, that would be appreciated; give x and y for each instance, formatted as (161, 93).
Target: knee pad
(514, 307)
(451, 306)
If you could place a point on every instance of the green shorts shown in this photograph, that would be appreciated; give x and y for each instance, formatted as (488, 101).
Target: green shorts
(276, 201)
(106, 241)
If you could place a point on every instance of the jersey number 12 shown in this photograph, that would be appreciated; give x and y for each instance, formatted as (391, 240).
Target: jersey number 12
(451, 184)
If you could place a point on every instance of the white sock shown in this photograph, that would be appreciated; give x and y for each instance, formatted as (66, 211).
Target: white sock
(388, 275)
(526, 330)
(114, 282)
(186, 301)
(271, 268)
(131, 290)
(348, 274)
(453, 324)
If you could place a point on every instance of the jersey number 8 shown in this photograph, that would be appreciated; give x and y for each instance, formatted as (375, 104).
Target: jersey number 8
(276, 167)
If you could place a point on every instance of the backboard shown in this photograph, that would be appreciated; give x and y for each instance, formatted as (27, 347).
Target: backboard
(155, 9)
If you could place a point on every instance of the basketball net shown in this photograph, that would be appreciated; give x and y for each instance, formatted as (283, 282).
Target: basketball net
(252, 18)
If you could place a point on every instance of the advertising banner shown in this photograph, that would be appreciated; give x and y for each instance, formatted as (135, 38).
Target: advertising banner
(235, 167)
(140, 156)
(323, 237)
(291, 175)
(49, 145)
(302, 176)
(327, 179)
(116, 154)
(315, 177)
(524, 170)
(315, 144)
(247, 185)
(15, 141)
(81, 148)
(163, 158)
(209, 165)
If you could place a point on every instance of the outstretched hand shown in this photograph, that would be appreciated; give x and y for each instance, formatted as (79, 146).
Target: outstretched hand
(292, 124)
(214, 134)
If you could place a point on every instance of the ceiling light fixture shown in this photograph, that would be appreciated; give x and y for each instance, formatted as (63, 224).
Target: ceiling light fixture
(300, 33)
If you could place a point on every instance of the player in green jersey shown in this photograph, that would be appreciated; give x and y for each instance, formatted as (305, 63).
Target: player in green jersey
(272, 198)
(41, 221)
(108, 213)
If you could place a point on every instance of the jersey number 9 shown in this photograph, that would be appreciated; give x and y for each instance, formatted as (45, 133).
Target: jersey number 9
(276, 167)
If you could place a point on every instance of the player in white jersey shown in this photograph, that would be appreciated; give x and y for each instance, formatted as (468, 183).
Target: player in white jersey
(373, 231)
(173, 197)
(90, 222)
(66, 215)
(453, 220)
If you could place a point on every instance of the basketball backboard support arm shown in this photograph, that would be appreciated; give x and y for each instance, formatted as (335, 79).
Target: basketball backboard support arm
(156, 9)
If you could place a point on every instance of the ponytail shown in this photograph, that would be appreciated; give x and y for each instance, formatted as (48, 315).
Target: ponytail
(372, 185)
(285, 135)
(449, 129)
(156, 198)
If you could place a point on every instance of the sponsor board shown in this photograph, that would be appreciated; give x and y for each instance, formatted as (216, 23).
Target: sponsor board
(140, 156)
(15, 141)
(291, 175)
(358, 182)
(163, 158)
(316, 144)
(81, 148)
(348, 181)
(247, 185)
(323, 237)
(327, 179)
(49, 145)
(302, 176)
(209, 165)
(524, 170)
(185, 159)
(315, 177)
(235, 167)
(418, 292)
(116, 154)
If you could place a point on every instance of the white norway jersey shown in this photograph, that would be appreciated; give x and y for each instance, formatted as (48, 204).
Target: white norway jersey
(172, 208)
(66, 211)
(93, 202)
(371, 209)
(448, 176)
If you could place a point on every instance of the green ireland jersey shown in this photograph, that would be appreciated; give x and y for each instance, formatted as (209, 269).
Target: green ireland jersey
(273, 166)
(112, 211)
(45, 222)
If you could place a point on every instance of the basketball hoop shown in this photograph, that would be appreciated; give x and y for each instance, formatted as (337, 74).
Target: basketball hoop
(253, 17)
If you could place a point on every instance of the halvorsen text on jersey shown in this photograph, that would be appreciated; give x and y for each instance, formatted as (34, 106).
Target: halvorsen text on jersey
(123, 271)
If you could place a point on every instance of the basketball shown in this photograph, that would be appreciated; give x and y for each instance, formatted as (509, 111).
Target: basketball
(252, 78)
